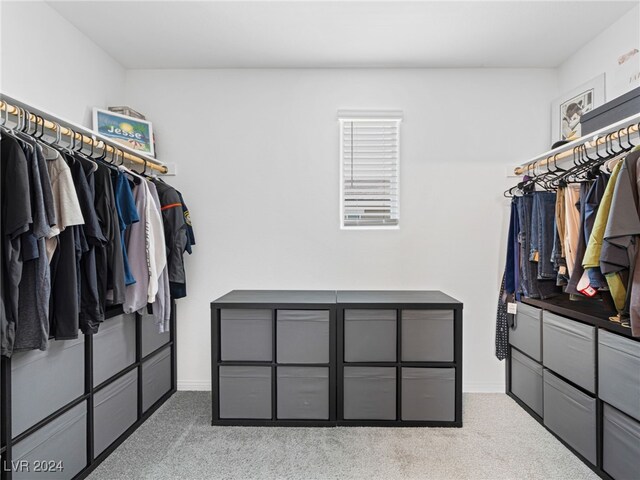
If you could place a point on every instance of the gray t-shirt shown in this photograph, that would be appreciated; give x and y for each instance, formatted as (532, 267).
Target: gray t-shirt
(32, 330)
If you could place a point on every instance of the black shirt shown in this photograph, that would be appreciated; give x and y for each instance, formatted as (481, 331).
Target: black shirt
(16, 217)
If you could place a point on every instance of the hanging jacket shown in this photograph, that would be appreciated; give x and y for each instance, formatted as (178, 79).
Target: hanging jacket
(175, 231)
(619, 249)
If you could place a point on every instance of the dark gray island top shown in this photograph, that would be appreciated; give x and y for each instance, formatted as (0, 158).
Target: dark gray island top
(269, 298)
(389, 298)
(431, 298)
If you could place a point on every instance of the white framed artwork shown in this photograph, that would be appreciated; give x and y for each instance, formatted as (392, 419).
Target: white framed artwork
(568, 109)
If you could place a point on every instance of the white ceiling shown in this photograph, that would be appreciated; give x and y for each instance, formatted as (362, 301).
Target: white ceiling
(274, 34)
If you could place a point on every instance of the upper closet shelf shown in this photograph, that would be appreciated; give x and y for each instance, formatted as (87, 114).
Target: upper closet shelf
(624, 129)
(31, 117)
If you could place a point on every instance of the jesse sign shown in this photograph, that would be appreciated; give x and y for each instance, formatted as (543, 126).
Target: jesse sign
(132, 132)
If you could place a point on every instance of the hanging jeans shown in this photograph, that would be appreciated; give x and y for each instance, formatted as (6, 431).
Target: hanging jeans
(542, 233)
(530, 286)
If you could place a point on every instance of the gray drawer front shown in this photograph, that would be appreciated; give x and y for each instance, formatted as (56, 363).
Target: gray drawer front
(428, 394)
(303, 336)
(620, 445)
(526, 380)
(151, 338)
(427, 335)
(115, 408)
(43, 382)
(571, 414)
(619, 372)
(246, 334)
(63, 440)
(370, 335)
(245, 392)
(114, 347)
(303, 393)
(156, 378)
(526, 332)
(570, 350)
(369, 393)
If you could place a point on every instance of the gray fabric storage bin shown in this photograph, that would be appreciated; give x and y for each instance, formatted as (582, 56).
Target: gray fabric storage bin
(370, 335)
(526, 332)
(428, 394)
(151, 338)
(302, 336)
(620, 445)
(43, 382)
(156, 378)
(115, 408)
(427, 335)
(63, 440)
(303, 393)
(369, 393)
(570, 349)
(246, 334)
(114, 347)
(619, 372)
(571, 414)
(526, 380)
(245, 392)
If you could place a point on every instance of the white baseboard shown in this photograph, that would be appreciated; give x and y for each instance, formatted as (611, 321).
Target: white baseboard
(193, 385)
(483, 387)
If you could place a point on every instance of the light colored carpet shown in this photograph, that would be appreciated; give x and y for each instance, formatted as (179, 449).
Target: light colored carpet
(498, 441)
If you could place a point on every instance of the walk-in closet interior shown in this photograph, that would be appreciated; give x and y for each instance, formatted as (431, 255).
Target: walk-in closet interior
(320, 239)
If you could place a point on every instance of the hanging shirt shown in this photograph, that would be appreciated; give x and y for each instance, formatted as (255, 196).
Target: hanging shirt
(161, 306)
(572, 224)
(157, 257)
(88, 236)
(621, 237)
(592, 279)
(32, 330)
(136, 245)
(594, 248)
(65, 201)
(175, 230)
(109, 261)
(619, 248)
(16, 217)
(47, 191)
(581, 246)
(127, 215)
(191, 238)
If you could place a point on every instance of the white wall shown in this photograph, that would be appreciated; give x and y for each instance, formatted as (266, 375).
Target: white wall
(601, 55)
(258, 164)
(48, 63)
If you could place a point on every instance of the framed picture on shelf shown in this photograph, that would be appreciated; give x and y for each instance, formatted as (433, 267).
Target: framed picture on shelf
(567, 110)
(132, 132)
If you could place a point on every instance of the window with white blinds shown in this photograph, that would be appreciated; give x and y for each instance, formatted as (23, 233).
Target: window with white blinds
(370, 161)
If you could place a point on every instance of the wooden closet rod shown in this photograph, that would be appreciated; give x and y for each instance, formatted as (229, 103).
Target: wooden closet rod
(95, 140)
(623, 128)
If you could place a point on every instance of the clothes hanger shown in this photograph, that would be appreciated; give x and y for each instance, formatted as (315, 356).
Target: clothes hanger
(23, 133)
(88, 157)
(629, 146)
(562, 180)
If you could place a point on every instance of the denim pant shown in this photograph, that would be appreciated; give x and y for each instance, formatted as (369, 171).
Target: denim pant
(529, 284)
(542, 233)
